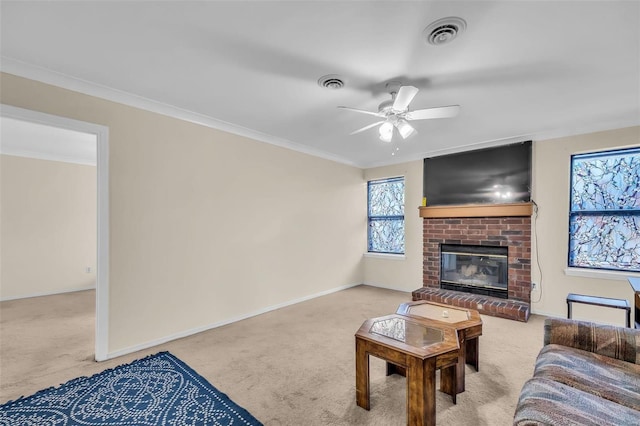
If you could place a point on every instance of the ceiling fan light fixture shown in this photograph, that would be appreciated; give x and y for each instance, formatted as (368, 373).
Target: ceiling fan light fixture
(405, 129)
(395, 113)
(386, 131)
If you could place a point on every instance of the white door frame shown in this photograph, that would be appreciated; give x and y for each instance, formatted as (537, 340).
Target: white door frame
(102, 252)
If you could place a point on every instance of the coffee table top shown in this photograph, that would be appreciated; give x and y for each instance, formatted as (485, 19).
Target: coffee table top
(454, 316)
(409, 335)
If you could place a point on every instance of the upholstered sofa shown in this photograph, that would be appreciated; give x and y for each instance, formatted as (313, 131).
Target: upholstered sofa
(586, 374)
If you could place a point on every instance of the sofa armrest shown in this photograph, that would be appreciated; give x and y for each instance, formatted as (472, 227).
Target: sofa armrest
(607, 340)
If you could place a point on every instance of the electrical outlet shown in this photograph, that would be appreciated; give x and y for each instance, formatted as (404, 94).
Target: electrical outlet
(534, 286)
(87, 270)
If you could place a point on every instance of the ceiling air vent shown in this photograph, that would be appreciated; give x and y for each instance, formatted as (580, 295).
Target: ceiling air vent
(444, 30)
(331, 81)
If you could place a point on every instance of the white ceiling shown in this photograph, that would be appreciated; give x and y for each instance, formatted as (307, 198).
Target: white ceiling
(521, 70)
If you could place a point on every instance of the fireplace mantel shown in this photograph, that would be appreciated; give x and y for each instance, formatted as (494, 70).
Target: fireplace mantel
(478, 210)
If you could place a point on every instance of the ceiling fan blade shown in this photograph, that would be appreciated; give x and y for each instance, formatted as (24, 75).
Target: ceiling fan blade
(404, 97)
(437, 112)
(377, 114)
(367, 127)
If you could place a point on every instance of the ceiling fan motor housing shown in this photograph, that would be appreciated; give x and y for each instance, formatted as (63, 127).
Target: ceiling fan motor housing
(385, 107)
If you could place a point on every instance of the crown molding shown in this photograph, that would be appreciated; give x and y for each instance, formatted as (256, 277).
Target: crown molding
(47, 76)
(44, 75)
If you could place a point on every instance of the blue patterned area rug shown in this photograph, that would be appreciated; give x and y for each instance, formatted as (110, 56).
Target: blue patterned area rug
(157, 390)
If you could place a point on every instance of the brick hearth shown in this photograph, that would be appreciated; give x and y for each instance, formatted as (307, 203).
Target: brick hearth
(511, 232)
(496, 307)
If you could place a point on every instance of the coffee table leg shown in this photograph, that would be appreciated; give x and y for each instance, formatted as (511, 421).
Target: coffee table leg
(448, 382)
(421, 392)
(473, 348)
(460, 366)
(362, 374)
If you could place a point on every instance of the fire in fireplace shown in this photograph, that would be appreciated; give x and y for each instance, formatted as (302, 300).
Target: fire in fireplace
(474, 269)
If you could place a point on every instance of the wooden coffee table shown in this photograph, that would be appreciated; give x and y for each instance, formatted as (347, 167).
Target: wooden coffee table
(420, 349)
(467, 322)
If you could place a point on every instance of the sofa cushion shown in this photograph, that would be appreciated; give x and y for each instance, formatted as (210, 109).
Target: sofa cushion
(609, 340)
(605, 377)
(546, 402)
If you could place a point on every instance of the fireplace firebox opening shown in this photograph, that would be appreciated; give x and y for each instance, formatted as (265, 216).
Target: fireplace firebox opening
(474, 269)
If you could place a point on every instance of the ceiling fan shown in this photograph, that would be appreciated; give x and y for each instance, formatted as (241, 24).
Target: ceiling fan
(395, 113)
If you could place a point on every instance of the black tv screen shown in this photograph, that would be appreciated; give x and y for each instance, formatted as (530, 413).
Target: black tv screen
(487, 176)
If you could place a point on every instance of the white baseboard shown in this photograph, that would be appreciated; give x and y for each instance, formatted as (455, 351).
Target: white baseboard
(389, 287)
(546, 314)
(53, 293)
(196, 330)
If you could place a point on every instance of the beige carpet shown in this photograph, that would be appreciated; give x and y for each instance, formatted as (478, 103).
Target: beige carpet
(293, 366)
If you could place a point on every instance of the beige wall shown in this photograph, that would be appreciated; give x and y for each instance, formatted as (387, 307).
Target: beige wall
(551, 191)
(47, 227)
(206, 226)
(400, 274)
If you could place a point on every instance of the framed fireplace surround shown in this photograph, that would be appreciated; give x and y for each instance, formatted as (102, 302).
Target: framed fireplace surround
(475, 269)
(505, 227)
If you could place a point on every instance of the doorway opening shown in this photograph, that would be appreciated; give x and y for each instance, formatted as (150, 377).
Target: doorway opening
(101, 136)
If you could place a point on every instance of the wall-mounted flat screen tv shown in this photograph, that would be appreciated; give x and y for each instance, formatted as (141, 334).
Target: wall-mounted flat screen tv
(496, 175)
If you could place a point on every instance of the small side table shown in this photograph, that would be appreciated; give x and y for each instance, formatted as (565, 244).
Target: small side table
(599, 301)
(635, 285)
(417, 346)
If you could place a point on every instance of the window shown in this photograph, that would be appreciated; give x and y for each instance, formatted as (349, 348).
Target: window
(386, 215)
(604, 217)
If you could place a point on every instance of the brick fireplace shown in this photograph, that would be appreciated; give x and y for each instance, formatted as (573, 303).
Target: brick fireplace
(493, 226)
